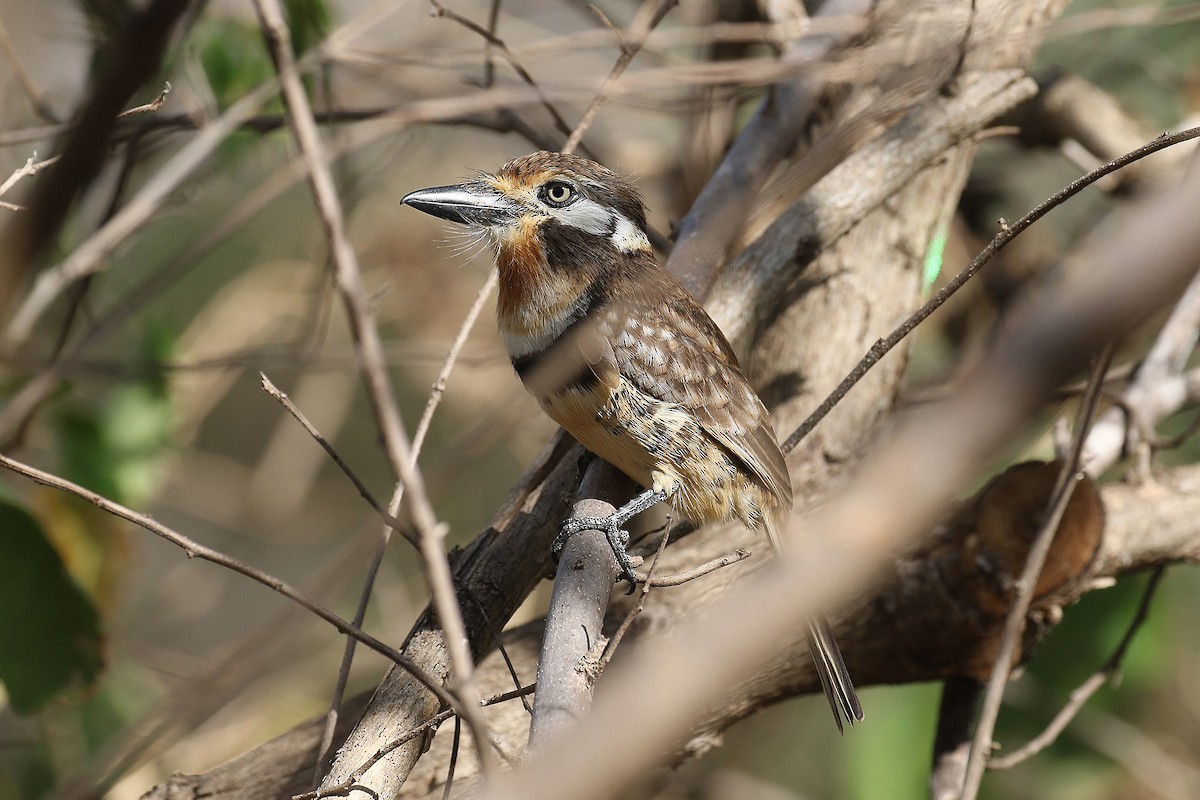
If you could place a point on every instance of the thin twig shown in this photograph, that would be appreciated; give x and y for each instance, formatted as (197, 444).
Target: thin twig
(489, 66)
(373, 367)
(31, 167)
(611, 648)
(389, 519)
(439, 383)
(454, 743)
(1006, 234)
(680, 578)
(508, 662)
(492, 39)
(40, 107)
(1088, 688)
(194, 549)
(1014, 625)
(149, 108)
(629, 48)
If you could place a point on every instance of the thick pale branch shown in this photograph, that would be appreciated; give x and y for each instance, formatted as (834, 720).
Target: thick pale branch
(841, 199)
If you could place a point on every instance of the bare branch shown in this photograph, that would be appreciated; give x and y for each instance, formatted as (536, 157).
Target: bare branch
(921, 137)
(1159, 387)
(374, 369)
(583, 584)
(716, 219)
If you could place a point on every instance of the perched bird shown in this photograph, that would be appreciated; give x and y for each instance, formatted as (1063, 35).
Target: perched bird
(618, 352)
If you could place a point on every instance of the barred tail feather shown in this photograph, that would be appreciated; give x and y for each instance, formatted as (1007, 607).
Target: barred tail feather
(831, 667)
(835, 678)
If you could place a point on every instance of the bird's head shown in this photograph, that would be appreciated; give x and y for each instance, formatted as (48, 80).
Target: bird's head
(550, 203)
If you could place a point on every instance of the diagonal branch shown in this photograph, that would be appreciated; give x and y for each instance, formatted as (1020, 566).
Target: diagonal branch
(194, 549)
(643, 24)
(1006, 234)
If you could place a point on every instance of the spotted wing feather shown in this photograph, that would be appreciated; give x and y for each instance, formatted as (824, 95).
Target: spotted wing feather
(676, 353)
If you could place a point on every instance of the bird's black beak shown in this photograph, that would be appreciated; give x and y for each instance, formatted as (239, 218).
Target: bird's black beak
(467, 204)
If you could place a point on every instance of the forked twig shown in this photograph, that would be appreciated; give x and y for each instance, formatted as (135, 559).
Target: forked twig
(389, 519)
(495, 41)
(435, 395)
(351, 782)
(611, 648)
(680, 578)
(31, 167)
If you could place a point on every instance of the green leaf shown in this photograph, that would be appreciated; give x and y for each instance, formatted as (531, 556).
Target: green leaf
(49, 631)
(117, 449)
(233, 57)
(308, 21)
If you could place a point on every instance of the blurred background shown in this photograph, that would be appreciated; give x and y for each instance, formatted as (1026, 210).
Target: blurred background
(158, 402)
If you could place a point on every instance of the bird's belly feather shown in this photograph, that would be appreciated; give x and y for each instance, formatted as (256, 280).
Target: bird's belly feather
(662, 446)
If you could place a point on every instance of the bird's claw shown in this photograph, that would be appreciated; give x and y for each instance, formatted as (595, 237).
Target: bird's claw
(617, 540)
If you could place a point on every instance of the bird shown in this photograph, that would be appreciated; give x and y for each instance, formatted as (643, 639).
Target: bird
(620, 354)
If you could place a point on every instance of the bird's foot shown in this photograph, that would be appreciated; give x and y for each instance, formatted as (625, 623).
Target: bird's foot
(617, 538)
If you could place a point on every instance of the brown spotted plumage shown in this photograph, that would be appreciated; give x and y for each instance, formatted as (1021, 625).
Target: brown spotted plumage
(622, 356)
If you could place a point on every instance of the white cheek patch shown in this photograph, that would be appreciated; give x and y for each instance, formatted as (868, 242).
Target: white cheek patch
(591, 217)
(627, 237)
(586, 215)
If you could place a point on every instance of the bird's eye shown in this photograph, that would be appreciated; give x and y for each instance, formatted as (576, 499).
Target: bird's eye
(558, 193)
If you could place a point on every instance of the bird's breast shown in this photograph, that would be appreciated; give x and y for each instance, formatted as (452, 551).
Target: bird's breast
(536, 304)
